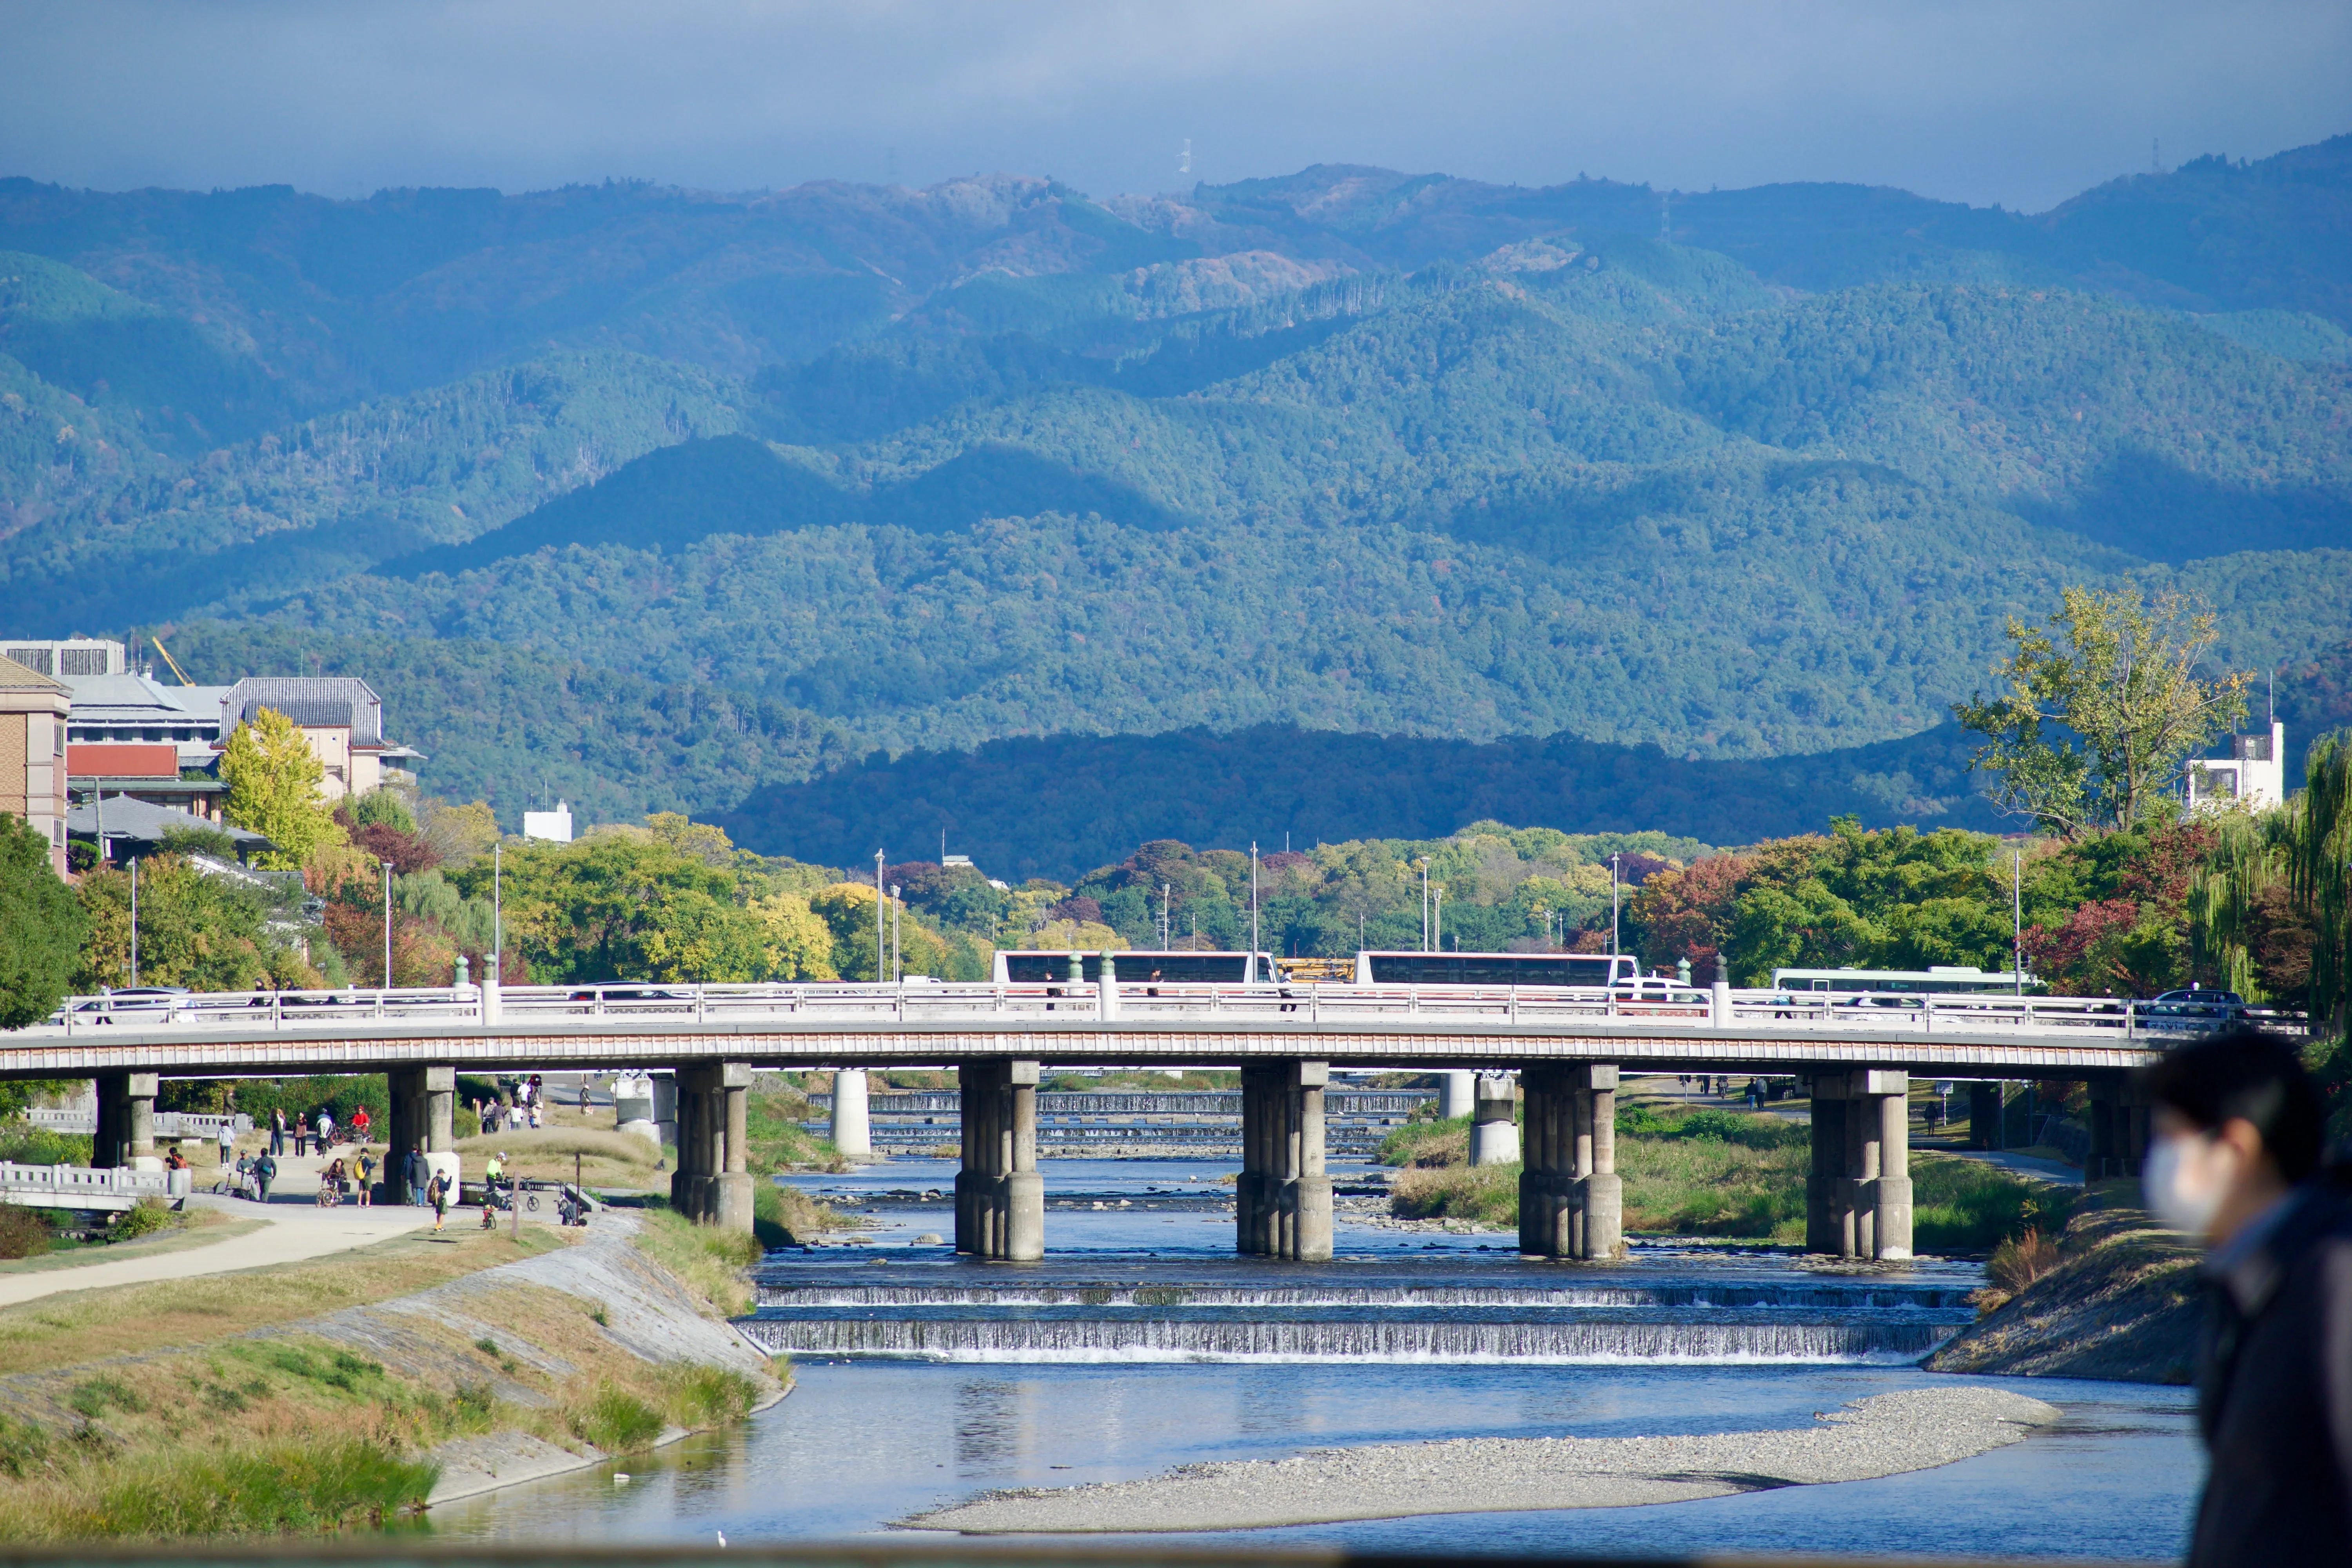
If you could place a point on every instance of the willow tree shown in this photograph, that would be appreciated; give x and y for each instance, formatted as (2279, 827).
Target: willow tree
(2103, 705)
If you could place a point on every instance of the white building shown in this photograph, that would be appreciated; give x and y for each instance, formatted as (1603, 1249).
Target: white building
(555, 827)
(2253, 775)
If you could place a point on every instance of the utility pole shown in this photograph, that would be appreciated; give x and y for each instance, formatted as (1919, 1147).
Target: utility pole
(2017, 919)
(1613, 944)
(498, 923)
(1437, 921)
(898, 960)
(134, 919)
(387, 867)
(878, 972)
(1423, 864)
(1253, 947)
(1163, 916)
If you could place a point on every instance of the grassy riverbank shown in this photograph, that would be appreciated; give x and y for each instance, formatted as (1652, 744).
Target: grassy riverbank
(311, 1397)
(1712, 1173)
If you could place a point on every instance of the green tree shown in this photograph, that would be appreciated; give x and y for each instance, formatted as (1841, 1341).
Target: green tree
(41, 927)
(2091, 735)
(208, 933)
(1894, 899)
(273, 788)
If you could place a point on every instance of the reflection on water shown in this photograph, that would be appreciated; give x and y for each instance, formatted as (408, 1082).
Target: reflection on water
(860, 1444)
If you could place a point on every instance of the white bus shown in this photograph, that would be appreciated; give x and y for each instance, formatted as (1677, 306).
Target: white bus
(1037, 968)
(1940, 979)
(1594, 971)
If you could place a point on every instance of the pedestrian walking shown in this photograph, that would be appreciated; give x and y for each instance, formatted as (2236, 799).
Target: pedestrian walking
(296, 1125)
(265, 1171)
(364, 1166)
(228, 1141)
(437, 1193)
(412, 1175)
(2236, 1162)
(278, 1130)
(326, 1129)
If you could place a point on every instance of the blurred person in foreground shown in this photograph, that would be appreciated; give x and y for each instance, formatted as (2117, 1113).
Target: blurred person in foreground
(2235, 1160)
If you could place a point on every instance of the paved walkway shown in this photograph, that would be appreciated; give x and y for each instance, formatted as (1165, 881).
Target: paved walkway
(298, 1231)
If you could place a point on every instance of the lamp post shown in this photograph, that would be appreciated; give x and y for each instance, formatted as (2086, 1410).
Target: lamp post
(898, 960)
(2017, 919)
(1613, 944)
(1423, 863)
(1163, 915)
(1251, 968)
(387, 922)
(134, 916)
(878, 974)
(498, 911)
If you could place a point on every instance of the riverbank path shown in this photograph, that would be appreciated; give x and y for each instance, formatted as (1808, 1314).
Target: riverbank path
(295, 1230)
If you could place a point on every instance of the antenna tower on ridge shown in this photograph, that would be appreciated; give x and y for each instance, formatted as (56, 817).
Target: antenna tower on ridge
(1185, 157)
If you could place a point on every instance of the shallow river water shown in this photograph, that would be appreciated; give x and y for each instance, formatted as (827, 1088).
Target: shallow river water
(1058, 1374)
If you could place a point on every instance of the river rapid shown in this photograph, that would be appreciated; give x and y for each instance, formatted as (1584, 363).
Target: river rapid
(1143, 1343)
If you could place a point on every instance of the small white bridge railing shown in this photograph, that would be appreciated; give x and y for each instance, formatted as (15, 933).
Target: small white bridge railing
(80, 1187)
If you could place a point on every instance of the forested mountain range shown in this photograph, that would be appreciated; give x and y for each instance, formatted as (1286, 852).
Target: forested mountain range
(654, 497)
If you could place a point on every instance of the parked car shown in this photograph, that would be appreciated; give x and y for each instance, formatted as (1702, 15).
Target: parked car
(2195, 1008)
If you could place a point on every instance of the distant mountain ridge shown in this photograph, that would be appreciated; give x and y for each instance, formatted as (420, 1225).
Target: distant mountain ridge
(846, 468)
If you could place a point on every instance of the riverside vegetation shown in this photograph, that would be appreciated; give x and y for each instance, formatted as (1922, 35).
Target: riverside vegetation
(1711, 1172)
(204, 1407)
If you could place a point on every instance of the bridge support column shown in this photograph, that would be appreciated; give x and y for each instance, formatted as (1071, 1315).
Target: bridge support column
(1858, 1193)
(1825, 1178)
(853, 1128)
(126, 1119)
(1456, 1095)
(712, 1185)
(1281, 1204)
(423, 1118)
(1494, 1132)
(2131, 1126)
(1000, 1196)
(1571, 1200)
(1984, 1116)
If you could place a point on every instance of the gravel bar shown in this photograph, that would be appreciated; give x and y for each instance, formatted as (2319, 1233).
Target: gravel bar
(1886, 1434)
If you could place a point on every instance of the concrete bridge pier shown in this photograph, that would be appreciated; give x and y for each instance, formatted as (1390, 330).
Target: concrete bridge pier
(713, 1183)
(853, 1128)
(1455, 1095)
(126, 1119)
(1858, 1191)
(1000, 1196)
(1494, 1131)
(2119, 1118)
(424, 1116)
(1984, 1116)
(1571, 1200)
(1281, 1204)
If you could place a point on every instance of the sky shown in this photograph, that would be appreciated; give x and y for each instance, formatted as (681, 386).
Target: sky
(2022, 102)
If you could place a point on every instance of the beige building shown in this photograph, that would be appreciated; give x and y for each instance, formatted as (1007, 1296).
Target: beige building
(342, 718)
(33, 709)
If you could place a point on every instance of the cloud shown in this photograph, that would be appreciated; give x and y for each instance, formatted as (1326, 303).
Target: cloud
(2003, 100)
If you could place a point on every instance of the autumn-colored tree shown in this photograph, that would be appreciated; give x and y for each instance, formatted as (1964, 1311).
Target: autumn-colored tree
(273, 780)
(2103, 707)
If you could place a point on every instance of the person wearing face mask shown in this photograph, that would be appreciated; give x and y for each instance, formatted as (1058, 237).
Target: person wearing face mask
(2235, 1160)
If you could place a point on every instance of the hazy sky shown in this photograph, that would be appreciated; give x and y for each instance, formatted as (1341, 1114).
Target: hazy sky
(2019, 101)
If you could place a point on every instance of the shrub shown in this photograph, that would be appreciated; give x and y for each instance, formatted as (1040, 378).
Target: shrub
(2020, 1260)
(1966, 1206)
(22, 1234)
(144, 1217)
(616, 1421)
(317, 1485)
(703, 1395)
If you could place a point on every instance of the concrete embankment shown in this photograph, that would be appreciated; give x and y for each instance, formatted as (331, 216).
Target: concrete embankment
(2122, 1305)
(1887, 1434)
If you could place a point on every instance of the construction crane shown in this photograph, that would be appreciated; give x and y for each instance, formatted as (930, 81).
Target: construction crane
(168, 659)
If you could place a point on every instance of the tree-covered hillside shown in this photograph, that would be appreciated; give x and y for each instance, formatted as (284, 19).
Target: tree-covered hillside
(652, 496)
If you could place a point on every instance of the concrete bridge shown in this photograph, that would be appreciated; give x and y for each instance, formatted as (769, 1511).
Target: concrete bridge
(1855, 1054)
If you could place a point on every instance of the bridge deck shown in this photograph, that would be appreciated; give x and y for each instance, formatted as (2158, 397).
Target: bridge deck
(811, 1025)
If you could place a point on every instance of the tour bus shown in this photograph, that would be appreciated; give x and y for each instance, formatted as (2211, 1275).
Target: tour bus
(1133, 968)
(1593, 970)
(1940, 979)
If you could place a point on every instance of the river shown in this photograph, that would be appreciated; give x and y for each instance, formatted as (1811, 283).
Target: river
(1142, 1343)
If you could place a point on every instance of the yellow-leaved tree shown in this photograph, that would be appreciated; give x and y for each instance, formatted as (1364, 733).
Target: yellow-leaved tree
(273, 788)
(799, 945)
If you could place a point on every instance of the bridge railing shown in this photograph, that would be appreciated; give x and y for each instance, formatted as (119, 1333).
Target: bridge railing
(80, 1187)
(880, 1006)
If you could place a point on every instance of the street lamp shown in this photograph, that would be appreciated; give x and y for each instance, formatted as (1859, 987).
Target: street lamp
(1613, 944)
(387, 922)
(898, 962)
(878, 918)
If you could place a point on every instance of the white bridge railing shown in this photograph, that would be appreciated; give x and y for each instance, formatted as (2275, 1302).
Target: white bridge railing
(527, 1008)
(80, 1187)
